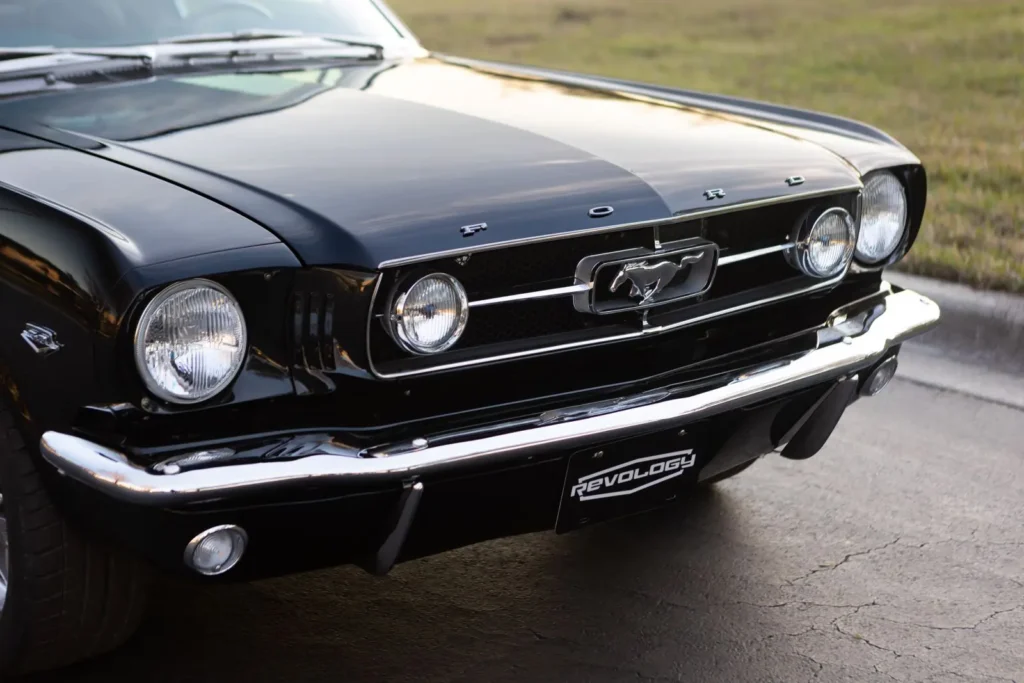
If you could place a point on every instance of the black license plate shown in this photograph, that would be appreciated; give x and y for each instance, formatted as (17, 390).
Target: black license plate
(627, 477)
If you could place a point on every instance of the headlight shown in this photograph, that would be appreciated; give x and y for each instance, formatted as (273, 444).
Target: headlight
(827, 247)
(190, 342)
(431, 314)
(884, 217)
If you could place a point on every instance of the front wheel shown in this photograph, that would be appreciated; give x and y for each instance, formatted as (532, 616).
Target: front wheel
(63, 598)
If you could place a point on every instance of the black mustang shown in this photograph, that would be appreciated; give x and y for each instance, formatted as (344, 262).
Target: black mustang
(282, 290)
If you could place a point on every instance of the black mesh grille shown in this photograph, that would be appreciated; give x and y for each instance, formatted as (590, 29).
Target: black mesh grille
(749, 230)
(532, 266)
(759, 272)
(514, 322)
(541, 323)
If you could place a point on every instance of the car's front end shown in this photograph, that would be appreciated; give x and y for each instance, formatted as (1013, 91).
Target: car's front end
(280, 300)
(369, 416)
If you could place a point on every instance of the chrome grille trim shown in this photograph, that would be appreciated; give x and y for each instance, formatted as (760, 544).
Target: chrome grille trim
(586, 286)
(647, 331)
(676, 218)
(537, 294)
(747, 255)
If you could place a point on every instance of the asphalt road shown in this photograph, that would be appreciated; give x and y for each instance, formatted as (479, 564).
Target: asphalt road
(895, 554)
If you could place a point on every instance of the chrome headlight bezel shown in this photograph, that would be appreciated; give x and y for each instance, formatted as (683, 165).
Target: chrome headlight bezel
(800, 255)
(146, 318)
(897, 246)
(397, 319)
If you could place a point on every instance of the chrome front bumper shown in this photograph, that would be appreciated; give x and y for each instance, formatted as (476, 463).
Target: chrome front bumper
(846, 344)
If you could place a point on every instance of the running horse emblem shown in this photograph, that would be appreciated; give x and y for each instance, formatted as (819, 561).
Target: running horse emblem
(647, 280)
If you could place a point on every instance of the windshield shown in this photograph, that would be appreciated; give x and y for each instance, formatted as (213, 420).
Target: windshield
(106, 23)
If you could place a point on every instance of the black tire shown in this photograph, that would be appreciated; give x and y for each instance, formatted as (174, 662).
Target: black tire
(68, 598)
(728, 474)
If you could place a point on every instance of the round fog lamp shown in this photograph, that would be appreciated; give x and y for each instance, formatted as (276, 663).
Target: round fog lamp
(828, 246)
(431, 315)
(216, 550)
(878, 379)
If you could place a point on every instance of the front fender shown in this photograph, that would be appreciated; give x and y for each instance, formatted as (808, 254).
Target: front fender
(82, 242)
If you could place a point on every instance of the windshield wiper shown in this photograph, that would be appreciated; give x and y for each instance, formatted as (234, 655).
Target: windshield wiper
(255, 34)
(9, 54)
(24, 70)
(34, 69)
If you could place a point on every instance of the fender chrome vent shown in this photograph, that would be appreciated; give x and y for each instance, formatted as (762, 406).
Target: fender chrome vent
(313, 340)
(325, 327)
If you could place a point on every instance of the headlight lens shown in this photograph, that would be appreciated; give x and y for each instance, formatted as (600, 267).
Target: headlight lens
(190, 342)
(828, 246)
(430, 316)
(884, 217)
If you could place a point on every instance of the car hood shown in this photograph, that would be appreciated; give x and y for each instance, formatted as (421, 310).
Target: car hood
(371, 164)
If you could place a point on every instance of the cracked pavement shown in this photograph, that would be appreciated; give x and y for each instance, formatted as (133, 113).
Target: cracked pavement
(897, 554)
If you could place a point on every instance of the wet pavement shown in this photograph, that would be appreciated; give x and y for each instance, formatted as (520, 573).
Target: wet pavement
(895, 554)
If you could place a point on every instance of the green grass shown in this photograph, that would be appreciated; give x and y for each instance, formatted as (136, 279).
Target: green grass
(946, 77)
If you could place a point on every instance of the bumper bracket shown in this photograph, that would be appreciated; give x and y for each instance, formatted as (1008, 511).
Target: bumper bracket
(405, 512)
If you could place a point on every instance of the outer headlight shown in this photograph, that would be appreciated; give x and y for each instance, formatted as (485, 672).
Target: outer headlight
(431, 314)
(884, 217)
(190, 342)
(828, 246)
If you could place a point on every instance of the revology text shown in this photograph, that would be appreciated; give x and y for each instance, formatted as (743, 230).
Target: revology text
(633, 476)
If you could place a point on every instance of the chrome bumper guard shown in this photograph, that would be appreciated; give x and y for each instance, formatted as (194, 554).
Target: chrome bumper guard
(846, 344)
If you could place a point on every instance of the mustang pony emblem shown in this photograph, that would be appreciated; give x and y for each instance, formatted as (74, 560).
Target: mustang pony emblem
(647, 280)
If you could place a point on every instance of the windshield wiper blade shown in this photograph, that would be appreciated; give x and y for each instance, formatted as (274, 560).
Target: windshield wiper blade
(40, 68)
(231, 36)
(255, 34)
(8, 54)
(44, 68)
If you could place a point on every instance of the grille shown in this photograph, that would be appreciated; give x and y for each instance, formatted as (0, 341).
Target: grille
(530, 267)
(508, 329)
(516, 322)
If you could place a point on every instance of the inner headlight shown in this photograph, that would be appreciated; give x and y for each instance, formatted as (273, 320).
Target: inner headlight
(430, 316)
(884, 217)
(828, 246)
(190, 342)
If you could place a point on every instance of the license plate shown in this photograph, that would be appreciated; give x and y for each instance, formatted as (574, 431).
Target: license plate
(627, 477)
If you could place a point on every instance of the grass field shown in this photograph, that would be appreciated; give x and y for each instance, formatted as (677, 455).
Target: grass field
(946, 77)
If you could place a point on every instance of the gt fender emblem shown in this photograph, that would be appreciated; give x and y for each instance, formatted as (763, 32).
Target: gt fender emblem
(41, 339)
(717, 193)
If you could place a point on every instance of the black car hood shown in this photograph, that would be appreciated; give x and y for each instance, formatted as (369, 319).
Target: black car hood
(366, 165)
